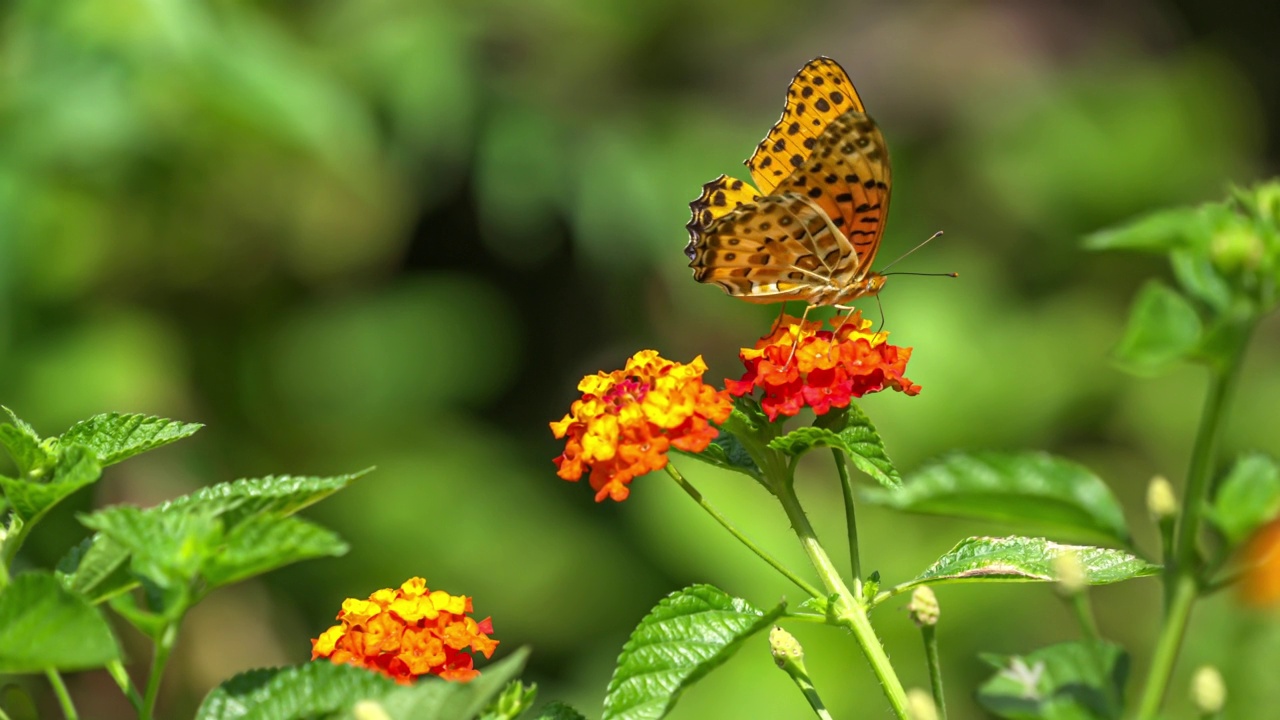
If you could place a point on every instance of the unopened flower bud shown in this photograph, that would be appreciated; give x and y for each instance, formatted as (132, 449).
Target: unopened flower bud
(924, 606)
(1161, 502)
(1236, 248)
(1208, 692)
(920, 705)
(1070, 572)
(369, 710)
(785, 649)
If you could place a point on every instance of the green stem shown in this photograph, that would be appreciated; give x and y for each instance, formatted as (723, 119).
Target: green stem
(4, 715)
(930, 633)
(850, 519)
(164, 646)
(60, 692)
(1182, 581)
(1166, 653)
(1084, 613)
(724, 522)
(118, 673)
(851, 612)
(811, 694)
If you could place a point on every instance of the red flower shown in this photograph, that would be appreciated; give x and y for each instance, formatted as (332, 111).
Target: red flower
(1261, 582)
(799, 364)
(628, 419)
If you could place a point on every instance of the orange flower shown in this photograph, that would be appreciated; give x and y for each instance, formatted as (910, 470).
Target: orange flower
(799, 364)
(406, 633)
(628, 419)
(1261, 583)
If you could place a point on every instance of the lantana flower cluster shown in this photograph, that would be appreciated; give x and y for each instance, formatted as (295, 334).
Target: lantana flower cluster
(800, 364)
(627, 420)
(408, 632)
(1261, 582)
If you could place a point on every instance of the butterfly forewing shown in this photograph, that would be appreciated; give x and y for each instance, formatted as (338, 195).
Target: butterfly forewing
(818, 94)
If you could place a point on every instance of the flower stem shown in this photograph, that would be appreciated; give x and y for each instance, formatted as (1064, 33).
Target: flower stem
(850, 519)
(1182, 582)
(811, 694)
(724, 522)
(164, 646)
(116, 669)
(60, 691)
(930, 634)
(851, 611)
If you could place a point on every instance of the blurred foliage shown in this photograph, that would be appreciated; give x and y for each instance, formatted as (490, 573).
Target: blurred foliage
(397, 233)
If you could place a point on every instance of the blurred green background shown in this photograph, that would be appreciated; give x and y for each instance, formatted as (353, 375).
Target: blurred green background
(397, 232)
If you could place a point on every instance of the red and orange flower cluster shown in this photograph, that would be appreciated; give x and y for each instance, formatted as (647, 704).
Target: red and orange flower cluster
(628, 419)
(1261, 582)
(801, 364)
(406, 633)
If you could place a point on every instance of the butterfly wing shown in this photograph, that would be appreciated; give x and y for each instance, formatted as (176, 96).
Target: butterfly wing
(848, 177)
(720, 196)
(767, 250)
(818, 94)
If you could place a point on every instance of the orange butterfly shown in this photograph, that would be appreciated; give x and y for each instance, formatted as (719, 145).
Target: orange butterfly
(813, 230)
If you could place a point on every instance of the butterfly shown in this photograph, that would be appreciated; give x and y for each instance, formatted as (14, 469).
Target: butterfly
(810, 228)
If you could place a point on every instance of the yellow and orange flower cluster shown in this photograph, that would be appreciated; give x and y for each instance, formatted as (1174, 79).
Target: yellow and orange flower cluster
(799, 364)
(406, 633)
(628, 419)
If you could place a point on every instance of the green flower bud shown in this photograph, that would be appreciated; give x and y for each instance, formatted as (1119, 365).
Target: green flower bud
(920, 705)
(1161, 502)
(923, 606)
(1208, 692)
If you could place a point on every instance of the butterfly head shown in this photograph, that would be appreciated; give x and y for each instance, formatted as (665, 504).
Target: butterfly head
(862, 287)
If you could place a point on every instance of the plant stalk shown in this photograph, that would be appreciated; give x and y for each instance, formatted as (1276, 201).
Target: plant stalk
(164, 647)
(60, 692)
(850, 518)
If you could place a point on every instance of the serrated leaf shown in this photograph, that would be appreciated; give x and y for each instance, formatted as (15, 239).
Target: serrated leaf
(848, 429)
(263, 544)
(96, 568)
(76, 467)
(116, 436)
(435, 699)
(558, 711)
(1021, 488)
(1024, 559)
(316, 689)
(726, 453)
(688, 634)
(1163, 329)
(45, 626)
(170, 549)
(274, 495)
(1069, 681)
(323, 689)
(23, 445)
(1248, 497)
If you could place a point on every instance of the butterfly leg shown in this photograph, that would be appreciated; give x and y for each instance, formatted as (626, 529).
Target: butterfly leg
(799, 332)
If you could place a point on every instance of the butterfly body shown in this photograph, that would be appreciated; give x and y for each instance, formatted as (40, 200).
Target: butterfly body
(812, 230)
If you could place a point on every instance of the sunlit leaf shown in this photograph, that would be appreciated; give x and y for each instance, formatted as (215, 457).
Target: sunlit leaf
(1079, 680)
(97, 568)
(263, 544)
(688, 634)
(1158, 232)
(115, 436)
(727, 453)
(1027, 488)
(77, 467)
(24, 446)
(45, 626)
(1163, 329)
(1248, 497)
(1025, 559)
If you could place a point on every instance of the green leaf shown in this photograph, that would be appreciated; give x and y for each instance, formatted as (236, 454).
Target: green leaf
(322, 689)
(1158, 232)
(1200, 279)
(1247, 498)
(97, 568)
(1163, 329)
(1078, 680)
(313, 690)
(726, 453)
(276, 495)
(77, 466)
(43, 625)
(688, 634)
(263, 544)
(24, 446)
(115, 437)
(1023, 559)
(558, 711)
(857, 437)
(1020, 488)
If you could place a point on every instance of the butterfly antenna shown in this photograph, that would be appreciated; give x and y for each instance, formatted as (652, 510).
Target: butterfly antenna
(905, 254)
